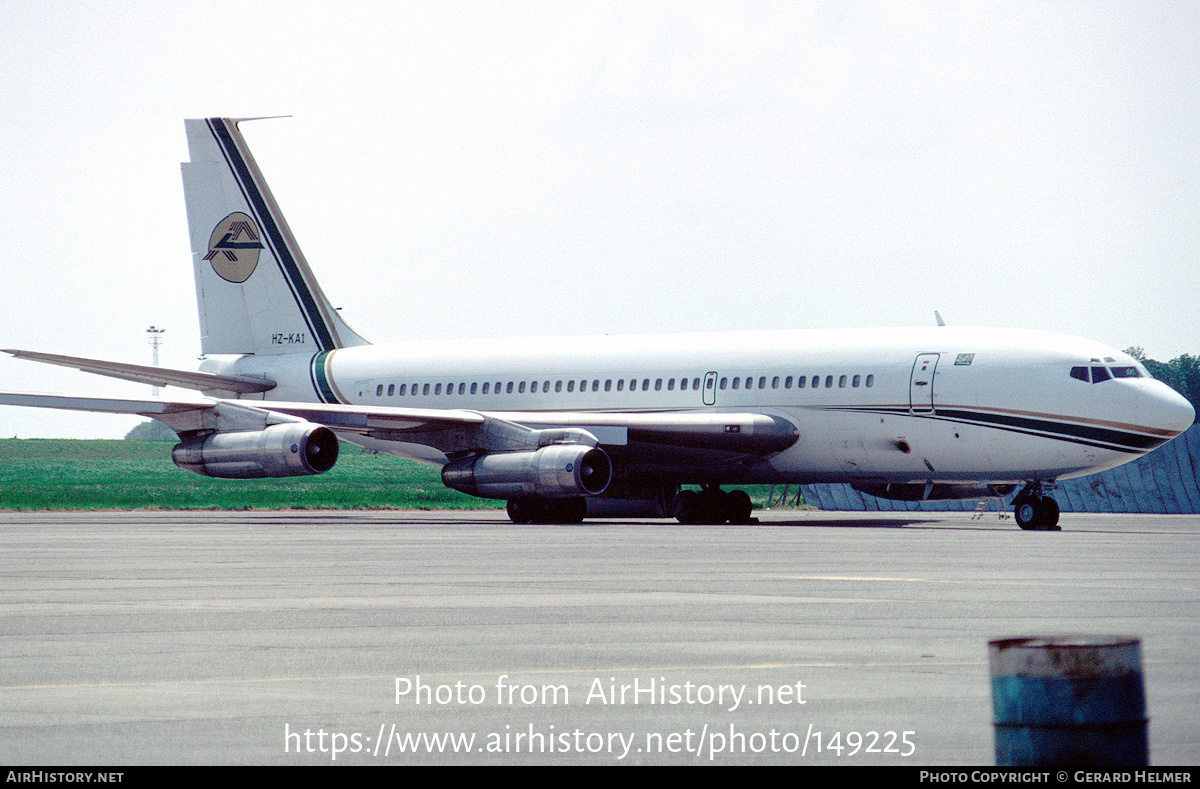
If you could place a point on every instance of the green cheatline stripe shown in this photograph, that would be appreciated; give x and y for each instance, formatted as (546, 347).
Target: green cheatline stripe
(1082, 434)
(320, 380)
(1105, 438)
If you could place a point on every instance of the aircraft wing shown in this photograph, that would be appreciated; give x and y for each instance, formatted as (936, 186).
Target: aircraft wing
(151, 407)
(155, 376)
(454, 432)
(214, 414)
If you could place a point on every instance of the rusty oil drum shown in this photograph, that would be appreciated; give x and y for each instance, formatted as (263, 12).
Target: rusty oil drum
(1069, 700)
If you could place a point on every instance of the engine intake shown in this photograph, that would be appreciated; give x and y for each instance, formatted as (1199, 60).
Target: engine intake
(288, 450)
(555, 471)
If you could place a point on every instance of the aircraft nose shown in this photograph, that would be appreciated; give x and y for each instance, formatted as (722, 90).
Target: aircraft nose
(1166, 409)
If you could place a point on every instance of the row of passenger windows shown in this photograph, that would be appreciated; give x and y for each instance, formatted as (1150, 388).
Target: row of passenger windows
(815, 382)
(620, 385)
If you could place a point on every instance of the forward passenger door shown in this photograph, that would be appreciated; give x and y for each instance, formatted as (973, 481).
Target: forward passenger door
(920, 388)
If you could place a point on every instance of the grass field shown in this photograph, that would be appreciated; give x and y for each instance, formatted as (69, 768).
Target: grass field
(56, 474)
(46, 474)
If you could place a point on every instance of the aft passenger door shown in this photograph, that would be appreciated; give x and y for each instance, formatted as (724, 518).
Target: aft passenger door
(920, 387)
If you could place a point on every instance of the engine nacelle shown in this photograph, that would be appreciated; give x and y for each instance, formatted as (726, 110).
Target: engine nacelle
(917, 491)
(288, 450)
(555, 471)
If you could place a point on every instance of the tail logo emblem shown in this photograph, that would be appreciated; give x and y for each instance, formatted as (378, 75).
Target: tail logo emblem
(234, 247)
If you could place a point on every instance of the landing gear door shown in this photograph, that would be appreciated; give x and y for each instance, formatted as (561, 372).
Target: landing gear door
(710, 388)
(920, 387)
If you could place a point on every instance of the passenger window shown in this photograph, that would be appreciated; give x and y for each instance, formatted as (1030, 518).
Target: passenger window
(828, 381)
(855, 381)
(403, 387)
(533, 388)
(842, 382)
(425, 390)
(671, 385)
(775, 382)
(682, 384)
(658, 385)
(379, 391)
(787, 382)
(800, 382)
(596, 385)
(485, 387)
(608, 384)
(870, 380)
(437, 390)
(723, 382)
(736, 382)
(558, 386)
(508, 389)
(462, 388)
(620, 384)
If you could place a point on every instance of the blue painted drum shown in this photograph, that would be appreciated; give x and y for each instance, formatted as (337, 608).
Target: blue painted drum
(1069, 700)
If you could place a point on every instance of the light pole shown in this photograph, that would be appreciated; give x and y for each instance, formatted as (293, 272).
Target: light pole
(155, 340)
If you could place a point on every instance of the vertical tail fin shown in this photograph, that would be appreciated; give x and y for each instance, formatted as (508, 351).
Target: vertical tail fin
(255, 290)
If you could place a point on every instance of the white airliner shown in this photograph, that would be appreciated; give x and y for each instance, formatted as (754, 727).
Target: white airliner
(567, 427)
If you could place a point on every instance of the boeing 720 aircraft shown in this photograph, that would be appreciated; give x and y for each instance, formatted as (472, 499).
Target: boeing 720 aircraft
(567, 427)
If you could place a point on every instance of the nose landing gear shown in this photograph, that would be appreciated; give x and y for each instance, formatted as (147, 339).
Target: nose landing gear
(1034, 510)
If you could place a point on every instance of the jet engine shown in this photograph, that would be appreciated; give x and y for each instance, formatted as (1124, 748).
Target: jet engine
(294, 449)
(555, 471)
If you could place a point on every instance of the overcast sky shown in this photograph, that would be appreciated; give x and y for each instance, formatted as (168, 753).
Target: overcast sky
(509, 169)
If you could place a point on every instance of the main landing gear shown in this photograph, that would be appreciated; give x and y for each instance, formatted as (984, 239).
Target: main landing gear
(535, 509)
(1034, 510)
(712, 505)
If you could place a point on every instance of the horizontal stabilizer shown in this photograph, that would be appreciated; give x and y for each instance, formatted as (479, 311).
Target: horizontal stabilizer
(155, 376)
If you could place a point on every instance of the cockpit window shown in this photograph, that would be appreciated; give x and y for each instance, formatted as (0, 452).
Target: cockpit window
(1096, 373)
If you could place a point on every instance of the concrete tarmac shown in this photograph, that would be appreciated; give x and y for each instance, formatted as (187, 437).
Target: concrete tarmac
(459, 638)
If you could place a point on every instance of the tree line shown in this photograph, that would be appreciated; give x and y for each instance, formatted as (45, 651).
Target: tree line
(1181, 373)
